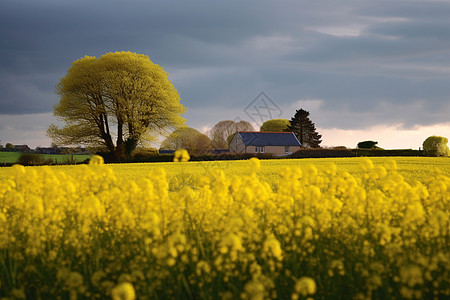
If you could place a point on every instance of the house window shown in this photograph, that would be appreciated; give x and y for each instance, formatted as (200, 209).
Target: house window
(286, 149)
(259, 149)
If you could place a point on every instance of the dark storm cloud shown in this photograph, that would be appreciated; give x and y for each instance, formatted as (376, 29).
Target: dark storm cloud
(415, 9)
(43, 38)
(380, 62)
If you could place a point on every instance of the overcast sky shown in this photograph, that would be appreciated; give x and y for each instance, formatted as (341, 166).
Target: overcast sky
(366, 70)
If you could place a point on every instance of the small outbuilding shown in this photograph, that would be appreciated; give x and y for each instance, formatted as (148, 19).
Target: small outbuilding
(276, 143)
(22, 148)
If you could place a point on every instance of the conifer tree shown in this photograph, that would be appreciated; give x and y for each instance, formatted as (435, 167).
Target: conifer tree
(304, 129)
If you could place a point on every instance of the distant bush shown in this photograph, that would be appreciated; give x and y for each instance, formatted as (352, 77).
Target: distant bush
(320, 152)
(9, 147)
(339, 148)
(436, 146)
(382, 152)
(231, 156)
(151, 158)
(339, 151)
(32, 159)
(203, 157)
(69, 160)
(367, 144)
(142, 153)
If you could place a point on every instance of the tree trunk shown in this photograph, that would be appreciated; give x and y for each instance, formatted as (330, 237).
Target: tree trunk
(130, 145)
(119, 153)
(105, 134)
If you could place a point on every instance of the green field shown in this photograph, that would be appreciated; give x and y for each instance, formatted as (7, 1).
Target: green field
(13, 157)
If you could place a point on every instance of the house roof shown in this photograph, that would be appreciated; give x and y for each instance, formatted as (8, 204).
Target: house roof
(21, 147)
(255, 138)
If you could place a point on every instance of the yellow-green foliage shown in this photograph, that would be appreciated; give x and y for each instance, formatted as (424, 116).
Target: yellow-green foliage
(275, 125)
(436, 146)
(232, 231)
(124, 90)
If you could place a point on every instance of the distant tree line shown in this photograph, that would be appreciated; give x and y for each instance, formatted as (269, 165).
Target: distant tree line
(44, 150)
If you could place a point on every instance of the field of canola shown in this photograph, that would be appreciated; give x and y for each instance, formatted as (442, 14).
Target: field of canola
(281, 229)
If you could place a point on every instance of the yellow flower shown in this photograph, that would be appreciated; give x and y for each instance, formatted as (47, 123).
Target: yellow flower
(366, 164)
(181, 155)
(203, 268)
(272, 246)
(411, 275)
(254, 290)
(74, 280)
(336, 266)
(123, 291)
(254, 164)
(96, 160)
(305, 286)
(390, 164)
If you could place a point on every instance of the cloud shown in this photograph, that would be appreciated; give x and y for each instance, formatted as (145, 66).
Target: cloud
(23, 94)
(311, 105)
(28, 129)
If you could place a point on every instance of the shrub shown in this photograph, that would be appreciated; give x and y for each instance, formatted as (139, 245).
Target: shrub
(436, 146)
(143, 153)
(32, 159)
(367, 144)
(231, 156)
(320, 152)
(69, 160)
(393, 152)
(339, 148)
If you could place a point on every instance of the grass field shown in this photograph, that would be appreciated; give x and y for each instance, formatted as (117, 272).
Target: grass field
(13, 157)
(348, 228)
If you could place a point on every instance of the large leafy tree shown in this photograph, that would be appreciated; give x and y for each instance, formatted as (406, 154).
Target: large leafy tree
(187, 138)
(114, 101)
(221, 132)
(304, 129)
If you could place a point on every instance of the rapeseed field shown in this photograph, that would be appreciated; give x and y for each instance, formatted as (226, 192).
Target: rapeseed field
(275, 229)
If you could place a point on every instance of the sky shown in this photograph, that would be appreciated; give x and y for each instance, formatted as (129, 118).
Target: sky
(365, 70)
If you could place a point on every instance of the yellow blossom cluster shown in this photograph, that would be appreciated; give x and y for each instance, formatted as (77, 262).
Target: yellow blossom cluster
(181, 155)
(314, 232)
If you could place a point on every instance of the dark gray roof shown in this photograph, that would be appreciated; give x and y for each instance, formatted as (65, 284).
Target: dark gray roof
(269, 138)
